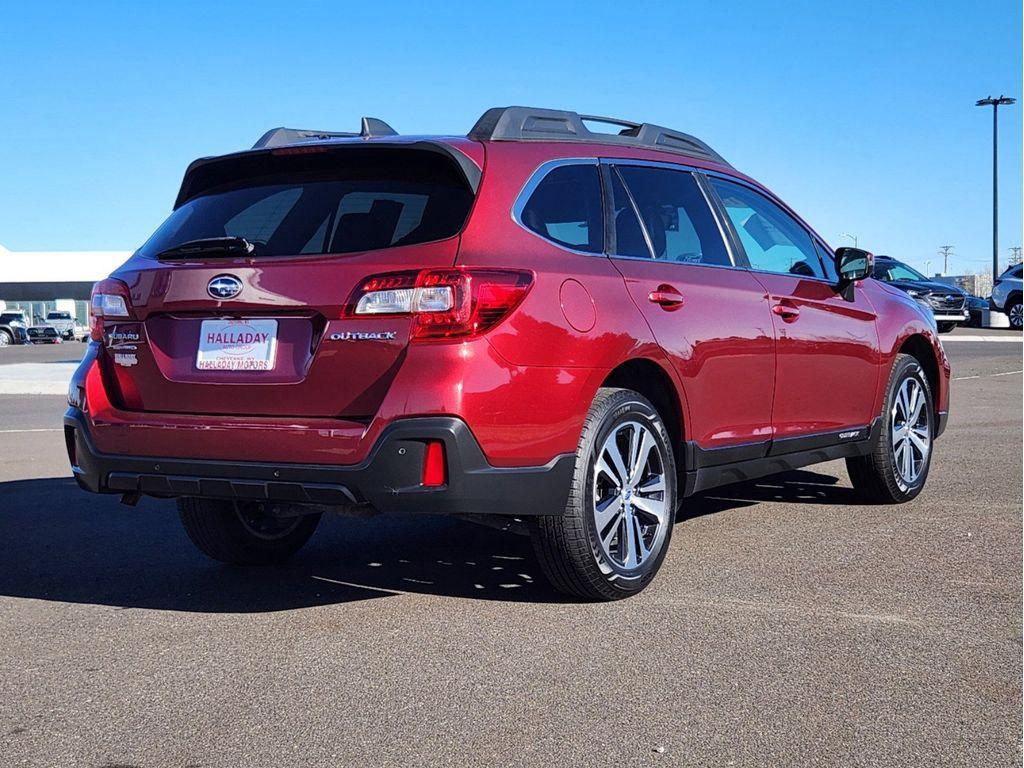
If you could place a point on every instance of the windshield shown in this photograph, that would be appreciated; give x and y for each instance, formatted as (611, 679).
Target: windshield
(896, 270)
(8, 317)
(58, 316)
(315, 204)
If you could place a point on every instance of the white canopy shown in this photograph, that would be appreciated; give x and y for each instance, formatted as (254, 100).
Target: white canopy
(58, 266)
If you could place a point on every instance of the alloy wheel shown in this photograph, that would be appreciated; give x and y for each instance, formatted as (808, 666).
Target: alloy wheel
(630, 504)
(911, 431)
(1016, 317)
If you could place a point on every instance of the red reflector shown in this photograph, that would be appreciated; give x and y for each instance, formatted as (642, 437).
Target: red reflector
(434, 464)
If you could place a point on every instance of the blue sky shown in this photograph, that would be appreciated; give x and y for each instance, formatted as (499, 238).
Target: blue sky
(861, 115)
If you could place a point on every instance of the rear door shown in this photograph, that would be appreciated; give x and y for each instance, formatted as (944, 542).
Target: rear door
(711, 318)
(827, 347)
(270, 333)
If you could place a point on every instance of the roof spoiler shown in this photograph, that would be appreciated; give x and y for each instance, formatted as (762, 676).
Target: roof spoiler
(370, 127)
(194, 184)
(533, 124)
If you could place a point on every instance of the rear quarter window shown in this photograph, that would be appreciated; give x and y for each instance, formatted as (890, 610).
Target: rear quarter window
(565, 208)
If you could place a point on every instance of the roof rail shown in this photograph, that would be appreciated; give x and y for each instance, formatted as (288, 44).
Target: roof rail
(532, 124)
(279, 137)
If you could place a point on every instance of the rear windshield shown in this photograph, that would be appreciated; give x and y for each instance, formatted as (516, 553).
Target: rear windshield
(332, 202)
(58, 316)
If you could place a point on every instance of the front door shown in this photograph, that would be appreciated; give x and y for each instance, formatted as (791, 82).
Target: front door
(827, 347)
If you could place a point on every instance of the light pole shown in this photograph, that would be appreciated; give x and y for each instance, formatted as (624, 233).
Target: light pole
(852, 237)
(994, 103)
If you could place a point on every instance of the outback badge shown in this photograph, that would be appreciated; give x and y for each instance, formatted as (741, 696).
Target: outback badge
(363, 336)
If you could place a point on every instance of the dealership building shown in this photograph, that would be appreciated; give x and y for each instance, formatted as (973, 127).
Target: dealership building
(43, 281)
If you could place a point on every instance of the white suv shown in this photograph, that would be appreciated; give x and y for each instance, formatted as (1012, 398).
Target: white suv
(1006, 293)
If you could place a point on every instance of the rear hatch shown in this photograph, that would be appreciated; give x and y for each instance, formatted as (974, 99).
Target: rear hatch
(239, 300)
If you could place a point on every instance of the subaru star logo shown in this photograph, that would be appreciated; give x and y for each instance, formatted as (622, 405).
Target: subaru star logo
(224, 287)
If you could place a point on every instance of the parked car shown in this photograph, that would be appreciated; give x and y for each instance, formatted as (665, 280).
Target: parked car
(13, 328)
(1006, 295)
(44, 334)
(562, 330)
(975, 308)
(948, 303)
(64, 322)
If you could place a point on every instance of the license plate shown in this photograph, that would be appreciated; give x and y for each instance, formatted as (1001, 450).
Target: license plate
(237, 345)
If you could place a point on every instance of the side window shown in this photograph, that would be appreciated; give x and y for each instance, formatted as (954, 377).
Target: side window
(676, 216)
(772, 239)
(566, 208)
(629, 237)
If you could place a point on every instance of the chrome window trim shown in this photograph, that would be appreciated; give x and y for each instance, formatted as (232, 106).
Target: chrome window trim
(536, 177)
(542, 170)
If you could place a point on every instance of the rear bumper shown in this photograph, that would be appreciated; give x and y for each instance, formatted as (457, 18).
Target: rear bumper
(389, 480)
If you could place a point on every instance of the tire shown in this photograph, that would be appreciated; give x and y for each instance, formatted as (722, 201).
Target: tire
(884, 475)
(1013, 311)
(620, 555)
(946, 327)
(6, 339)
(239, 533)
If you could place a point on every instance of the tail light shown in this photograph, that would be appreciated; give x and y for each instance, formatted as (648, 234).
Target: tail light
(444, 303)
(110, 299)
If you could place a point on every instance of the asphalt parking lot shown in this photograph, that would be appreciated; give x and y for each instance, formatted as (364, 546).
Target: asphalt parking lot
(790, 625)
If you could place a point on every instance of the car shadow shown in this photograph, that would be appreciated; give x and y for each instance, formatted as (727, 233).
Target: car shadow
(65, 545)
(795, 487)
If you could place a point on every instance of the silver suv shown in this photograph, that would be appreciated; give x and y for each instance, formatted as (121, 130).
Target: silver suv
(1006, 293)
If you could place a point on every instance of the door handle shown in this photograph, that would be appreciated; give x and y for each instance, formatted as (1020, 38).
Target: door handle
(787, 313)
(666, 297)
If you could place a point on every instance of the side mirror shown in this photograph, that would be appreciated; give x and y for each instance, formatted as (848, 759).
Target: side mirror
(852, 264)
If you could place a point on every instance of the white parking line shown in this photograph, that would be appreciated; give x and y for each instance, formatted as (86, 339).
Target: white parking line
(986, 376)
(1007, 339)
(19, 431)
(36, 378)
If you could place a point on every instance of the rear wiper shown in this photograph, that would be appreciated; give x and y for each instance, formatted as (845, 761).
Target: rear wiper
(207, 246)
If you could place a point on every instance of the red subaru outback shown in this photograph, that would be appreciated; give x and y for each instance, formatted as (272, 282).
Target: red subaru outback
(538, 321)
